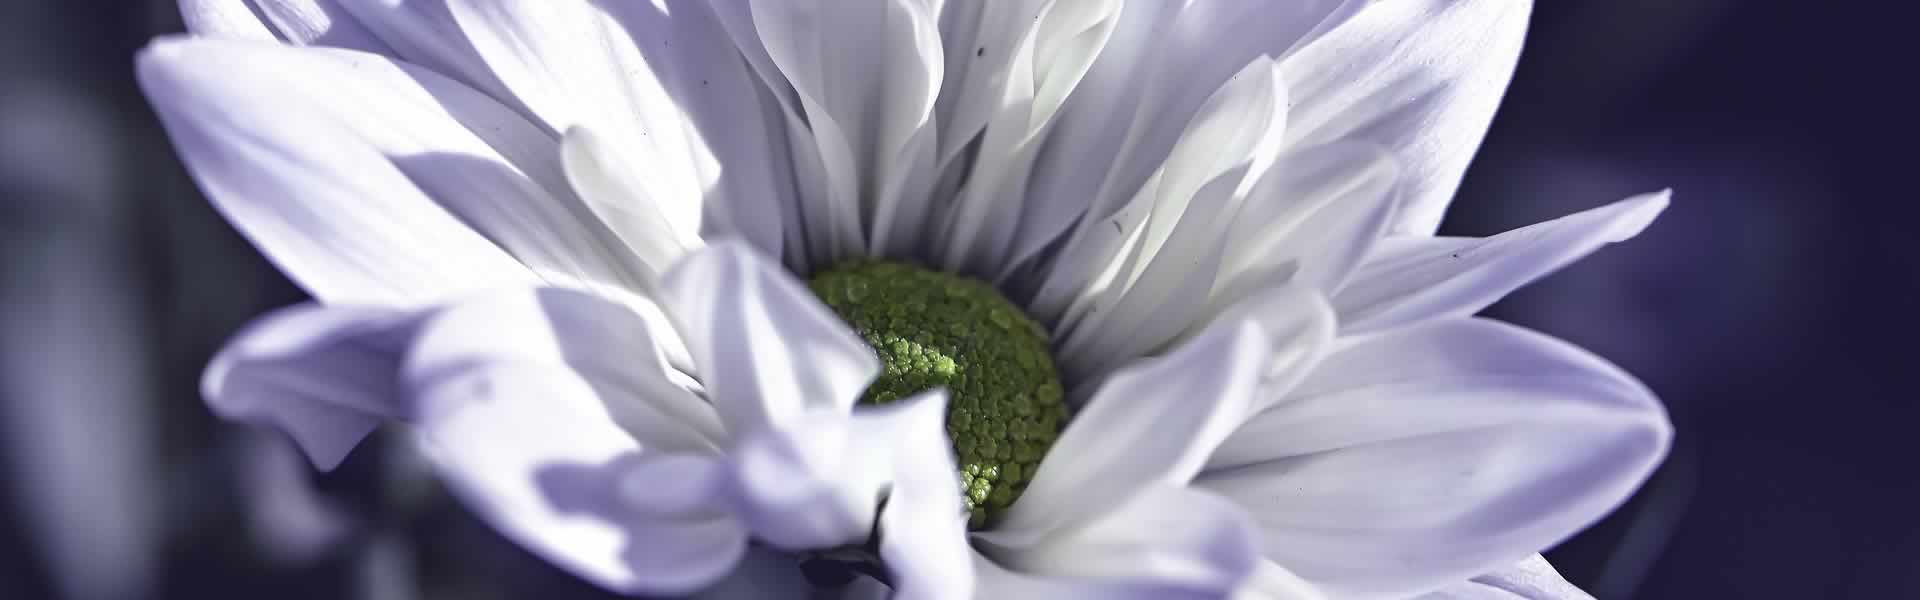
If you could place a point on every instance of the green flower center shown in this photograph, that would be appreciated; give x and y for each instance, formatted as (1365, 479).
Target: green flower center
(937, 330)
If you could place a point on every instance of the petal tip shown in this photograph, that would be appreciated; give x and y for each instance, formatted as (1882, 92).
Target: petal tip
(1638, 212)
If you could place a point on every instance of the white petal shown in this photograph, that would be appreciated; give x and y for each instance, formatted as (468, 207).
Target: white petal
(923, 532)
(1163, 542)
(1407, 280)
(574, 66)
(229, 103)
(857, 84)
(645, 81)
(331, 210)
(419, 31)
(325, 375)
(1303, 328)
(619, 194)
(1426, 455)
(1010, 68)
(1531, 579)
(226, 18)
(749, 187)
(1310, 219)
(1157, 70)
(1421, 78)
(767, 351)
(300, 22)
(423, 32)
(1151, 424)
(813, 483)
(1273, 582)
(514, 399)
(616, 345)
(1165, 264)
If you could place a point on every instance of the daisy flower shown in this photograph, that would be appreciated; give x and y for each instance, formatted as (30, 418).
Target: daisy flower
(936, 299)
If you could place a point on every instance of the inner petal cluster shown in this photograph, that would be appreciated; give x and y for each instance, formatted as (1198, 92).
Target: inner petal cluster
(938, 330)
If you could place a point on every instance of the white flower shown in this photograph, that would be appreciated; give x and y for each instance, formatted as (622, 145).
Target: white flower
(519, 220)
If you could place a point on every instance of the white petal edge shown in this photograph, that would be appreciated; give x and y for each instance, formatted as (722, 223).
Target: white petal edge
(325, 375)
(1165, 542)
(301, 22)
(514, 407)
(1423, 456)
(325, 205)
(1163, 248)
(923, 531)
(1155, 72)
(616, 69)
(1151, 424)
(478, 162)
(1530, 579)
(1310, 219)
(609, 183)
(857, 87)
(1421, 78)
(767, 350)
(1408, 280)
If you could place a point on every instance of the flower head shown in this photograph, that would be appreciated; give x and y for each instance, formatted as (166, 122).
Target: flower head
(1145, 293)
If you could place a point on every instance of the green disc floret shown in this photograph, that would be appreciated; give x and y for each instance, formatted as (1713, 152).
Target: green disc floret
(938, 330)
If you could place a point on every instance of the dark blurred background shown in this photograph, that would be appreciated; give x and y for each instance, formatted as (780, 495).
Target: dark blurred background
(1769, 307)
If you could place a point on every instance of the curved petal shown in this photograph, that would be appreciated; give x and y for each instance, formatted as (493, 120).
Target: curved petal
(1312, 218)
(1421, 78)
(1152, 424)
(1158, 256)
(1156, 71)
(802, 485)
(1010, 68)
(406, 134)
(1422, 456)
(663, 88)
(514, 398)
(300, 22)
(606, 180)
(857, 85)
(328, 207)
(923, 531)
(325, 375)
(1408, 280)
(1531, 579)
(1164, 542)
(817, 482)
(1303, 328)
(1273, 582)
(766, 350)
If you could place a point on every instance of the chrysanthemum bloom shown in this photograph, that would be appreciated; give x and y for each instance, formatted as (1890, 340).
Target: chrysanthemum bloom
(679, 293)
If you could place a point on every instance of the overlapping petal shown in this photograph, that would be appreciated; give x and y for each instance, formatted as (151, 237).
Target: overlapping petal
(393, 186)
(1163, 542)
(304, 22)
(1425, 455)
(856, 84)
(1159, 254)
(1010, 69)
(528, 441)
(1410, 279)
(1157, 70)
(1421, 78)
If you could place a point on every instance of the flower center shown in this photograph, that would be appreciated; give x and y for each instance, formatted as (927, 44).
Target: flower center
(934, 329)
